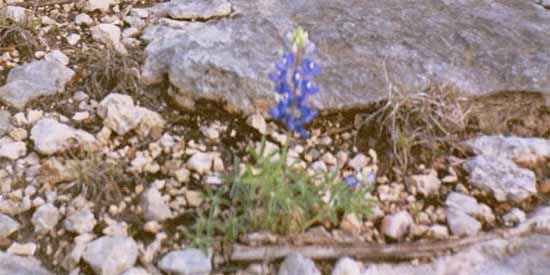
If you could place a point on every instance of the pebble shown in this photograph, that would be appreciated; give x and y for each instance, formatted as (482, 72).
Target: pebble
(154, 207)
(45, 218)
(8, 226)
(257, 122)
(83, 19)
(200, 162)
(426, 185)
(81, 221)
(12, 149)
(514, 217)
(461, 224)
(26, 249)
(396, 225)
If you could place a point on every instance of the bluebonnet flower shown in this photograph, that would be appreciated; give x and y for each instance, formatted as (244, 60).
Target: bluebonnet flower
(351, 181)
(358, 178)
(292, 109)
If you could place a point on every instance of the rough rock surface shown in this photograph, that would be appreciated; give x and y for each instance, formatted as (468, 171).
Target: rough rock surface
(518, 149)
(111, 255)
(194, 10)
(32, 80)
(11, 264)
(501, 177)
(517, 256)
(397, 225)
(296, 264)
(154, 207)
(50, 136)
(480, 47)
(186, 262)
(7, 225)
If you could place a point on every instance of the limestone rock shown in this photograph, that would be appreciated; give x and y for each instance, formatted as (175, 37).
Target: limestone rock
(32, 80)
(45, 218)
(111, 255)
(7, 225)
(356, 44)
(346, 266)
(50, 136)
(461, 224)
(81, 221)
(110, 35)
(186, 262)
(101, 5)
(501, 177)
(154, 207)
(518, 149)
(397, 225)
(12, 149)
(11, 264)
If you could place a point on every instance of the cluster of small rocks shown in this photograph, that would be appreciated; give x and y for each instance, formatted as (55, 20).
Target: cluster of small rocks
(75, 235)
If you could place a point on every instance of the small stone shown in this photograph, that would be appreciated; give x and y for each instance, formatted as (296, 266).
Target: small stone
(101, 5)
(346, 266)
(154, 207)
(351, 223)
(7, 226)
(464, 203)
(438, 231)
(514, 217)
(426, 185)
(297, 264)
(257, 122)
(186, 262)
(73, 39)
(26, 249)
(14, 13)
(501, 177)
(45, 218)
(110, 35)
(83, 19)
(211, 133)
(5, 122)
(193, 198)
(57, 55)
(130, 32)
(200, 162)
(11, 264)
(358, 162)
(50, 136)
(111, 255)
(329, 159)
(12, 149)
(397, 225)
(80, 116)
(461, 224)
(18, 134)
(82, 221)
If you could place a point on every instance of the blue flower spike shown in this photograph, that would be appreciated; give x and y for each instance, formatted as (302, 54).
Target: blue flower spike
(292, 109)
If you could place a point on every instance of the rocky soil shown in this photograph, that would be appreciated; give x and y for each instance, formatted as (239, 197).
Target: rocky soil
(117, 116)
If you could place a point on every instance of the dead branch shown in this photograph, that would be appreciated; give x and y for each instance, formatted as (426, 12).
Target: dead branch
(368, 251)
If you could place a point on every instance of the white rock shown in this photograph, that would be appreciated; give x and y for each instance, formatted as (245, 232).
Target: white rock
(513, 217)
(464, 203)
(200, 162)
(14, 13)
(26, 249)
(439, 231)
(257, 122)
(426, 184)
(101, 5)
(397, 225)
(81, 221)
(12, 149)
(461, 224)
(80, 116)
(50, 136)
(186, 262)
(358, 162)
(7, 225)
(110, 35)
(111, 255)
(154, 207)
(73, 39)
(83, 19)
(45, 218)
(136, 271)
(346, 266)
(57, 55)
(130, 32)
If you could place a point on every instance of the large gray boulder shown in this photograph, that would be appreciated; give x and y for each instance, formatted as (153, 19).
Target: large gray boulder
(481, 47)
(517, 256)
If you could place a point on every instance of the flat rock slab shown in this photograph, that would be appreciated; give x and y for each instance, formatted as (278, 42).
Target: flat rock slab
(521, 150)
(32, 80)
(11, 264)
(480, 47)
(517, 256)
